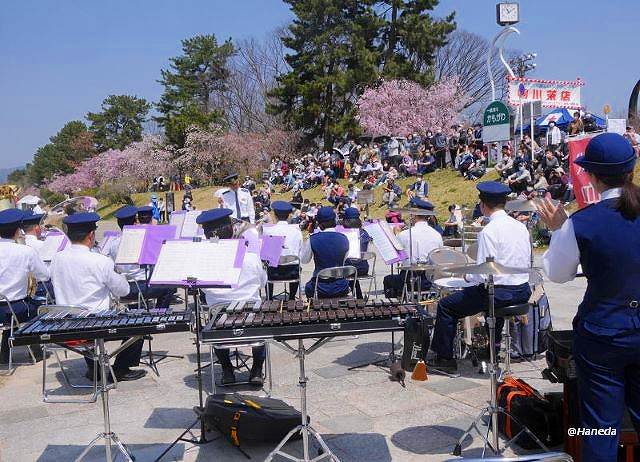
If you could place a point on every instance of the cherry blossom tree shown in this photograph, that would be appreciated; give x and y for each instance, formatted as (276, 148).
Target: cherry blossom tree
(399, 107)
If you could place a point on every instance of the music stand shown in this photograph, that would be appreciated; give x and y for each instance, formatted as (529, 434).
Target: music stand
(365, 197)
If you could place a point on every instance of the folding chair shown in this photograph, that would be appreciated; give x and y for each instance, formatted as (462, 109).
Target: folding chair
(286, 260)
(347, 272)
(12, 326)
(82, 348)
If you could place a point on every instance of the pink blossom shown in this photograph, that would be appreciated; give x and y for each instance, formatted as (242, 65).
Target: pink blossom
(400, 107)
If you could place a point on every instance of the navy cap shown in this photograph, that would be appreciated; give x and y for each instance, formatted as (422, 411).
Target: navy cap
(145, 210)
(85, 221)
(128, 211)
(608, 153)
(214, 218)
(30, 218)
(493, 189)
(11, 217)
(421, 204)
(351, 213)
(282, 206)
(326, 214)
(231, 176)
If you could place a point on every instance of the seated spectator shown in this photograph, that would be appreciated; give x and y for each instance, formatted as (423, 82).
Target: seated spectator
(392, 193)
(549, 163)
(558, 183)
(418, 189)
(505, 166)
(407, 166)
(453, 225)
(249, 183)
(426, 163)
(519, 180)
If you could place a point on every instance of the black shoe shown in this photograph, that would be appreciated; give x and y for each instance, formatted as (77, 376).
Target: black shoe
(228, 377)
(255, 378)
(128, 375)
(448, 366)
(89, 376)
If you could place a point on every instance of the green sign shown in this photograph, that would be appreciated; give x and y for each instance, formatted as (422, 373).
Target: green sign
(496, 123)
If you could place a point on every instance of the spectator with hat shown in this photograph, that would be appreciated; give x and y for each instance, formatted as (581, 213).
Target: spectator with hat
(507, 241)
(217, 223)
(236, 199)
(16, 263)
(328, 249)
(88, 279)
(292, 246)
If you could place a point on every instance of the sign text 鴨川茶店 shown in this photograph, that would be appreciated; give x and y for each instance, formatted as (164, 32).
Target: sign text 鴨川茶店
(551, 93)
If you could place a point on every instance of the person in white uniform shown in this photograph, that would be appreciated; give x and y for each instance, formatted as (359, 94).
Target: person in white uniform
(422, 239)
(292, 246)
(217, 223)
(236, 199)
(126, 216)
(17, 261)
(87, 279)
(32, 230)
(507, 241)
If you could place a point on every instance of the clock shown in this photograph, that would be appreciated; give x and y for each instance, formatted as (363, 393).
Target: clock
(507, 13)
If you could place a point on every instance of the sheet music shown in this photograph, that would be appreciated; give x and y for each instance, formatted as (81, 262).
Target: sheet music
(381, 241)
(391, 235)
(207, 261)
(177, 220)
(189, 225)
(51, 245)
(354, 242)
(130, 246)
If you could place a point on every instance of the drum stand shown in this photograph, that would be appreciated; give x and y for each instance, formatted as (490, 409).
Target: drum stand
(493, 409)
(107, 435)
(304, 428)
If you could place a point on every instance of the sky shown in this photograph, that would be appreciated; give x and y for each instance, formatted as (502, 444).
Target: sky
(60, 58)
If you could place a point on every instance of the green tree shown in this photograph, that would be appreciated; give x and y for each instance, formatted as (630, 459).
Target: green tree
(192, 84)
(410, 37)
(333, 57)
(66, 149)
(119, 123)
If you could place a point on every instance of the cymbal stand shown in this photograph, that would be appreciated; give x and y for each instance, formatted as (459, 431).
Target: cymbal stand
(304, 428)
(493, 409)
(107, 435)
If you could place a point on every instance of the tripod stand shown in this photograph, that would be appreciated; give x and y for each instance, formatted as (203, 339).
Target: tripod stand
(107, 435)
(493, 410)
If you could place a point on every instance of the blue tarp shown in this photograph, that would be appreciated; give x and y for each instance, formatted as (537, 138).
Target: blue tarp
(562, 118)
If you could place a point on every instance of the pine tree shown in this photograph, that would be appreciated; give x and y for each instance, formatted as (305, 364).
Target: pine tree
(191, 86)
(410, 37)
(119, 123)
(333, 57)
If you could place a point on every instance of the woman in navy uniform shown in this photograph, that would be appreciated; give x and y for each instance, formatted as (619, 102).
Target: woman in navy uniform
(605, 239)
(328, 249)
(351, 220)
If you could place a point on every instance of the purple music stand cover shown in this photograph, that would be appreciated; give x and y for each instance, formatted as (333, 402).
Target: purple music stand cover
(271, 249)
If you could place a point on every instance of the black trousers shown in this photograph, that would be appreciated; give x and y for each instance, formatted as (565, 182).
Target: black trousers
(258, 353)
(162, 296)
(24, 309)
(129, 357)
(283, 273)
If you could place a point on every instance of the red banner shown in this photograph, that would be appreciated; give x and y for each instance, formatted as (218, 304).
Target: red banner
(582, 188)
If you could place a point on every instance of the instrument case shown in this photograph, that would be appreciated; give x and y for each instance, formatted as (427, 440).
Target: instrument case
(243, 418)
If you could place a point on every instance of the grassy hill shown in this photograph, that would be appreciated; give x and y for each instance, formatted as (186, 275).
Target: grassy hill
(446, 187)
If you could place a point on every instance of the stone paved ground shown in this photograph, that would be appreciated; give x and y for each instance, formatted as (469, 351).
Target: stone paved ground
(362, 415)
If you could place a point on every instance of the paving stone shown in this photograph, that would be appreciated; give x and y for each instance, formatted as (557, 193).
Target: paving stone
(355, 423)
(449, 385)
(332, 372)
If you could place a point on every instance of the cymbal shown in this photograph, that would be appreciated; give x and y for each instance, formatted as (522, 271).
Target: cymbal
(524, 205)
(490, 267)
(414, 211)
(418, 267)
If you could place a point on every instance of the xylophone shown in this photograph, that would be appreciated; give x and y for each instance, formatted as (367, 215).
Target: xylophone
(295, 319)
(62, 326)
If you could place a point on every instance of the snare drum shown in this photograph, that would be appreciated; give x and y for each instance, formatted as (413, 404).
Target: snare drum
(447, 285)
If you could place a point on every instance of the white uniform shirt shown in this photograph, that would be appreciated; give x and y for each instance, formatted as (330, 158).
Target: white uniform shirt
(253, 277)
(33, 242)
(423, 240)
(244, 202)
(292, 237)
(561, 261)
(84, 278)
(133, 272)
(507, 240)
(16, 262)
(252, 237)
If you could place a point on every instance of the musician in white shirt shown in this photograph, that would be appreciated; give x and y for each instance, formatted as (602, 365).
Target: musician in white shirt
(87, 279)
(236, 199)
(507, 241)
(292, 246)
(32, 230)
(217, 223)
(17, 261)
